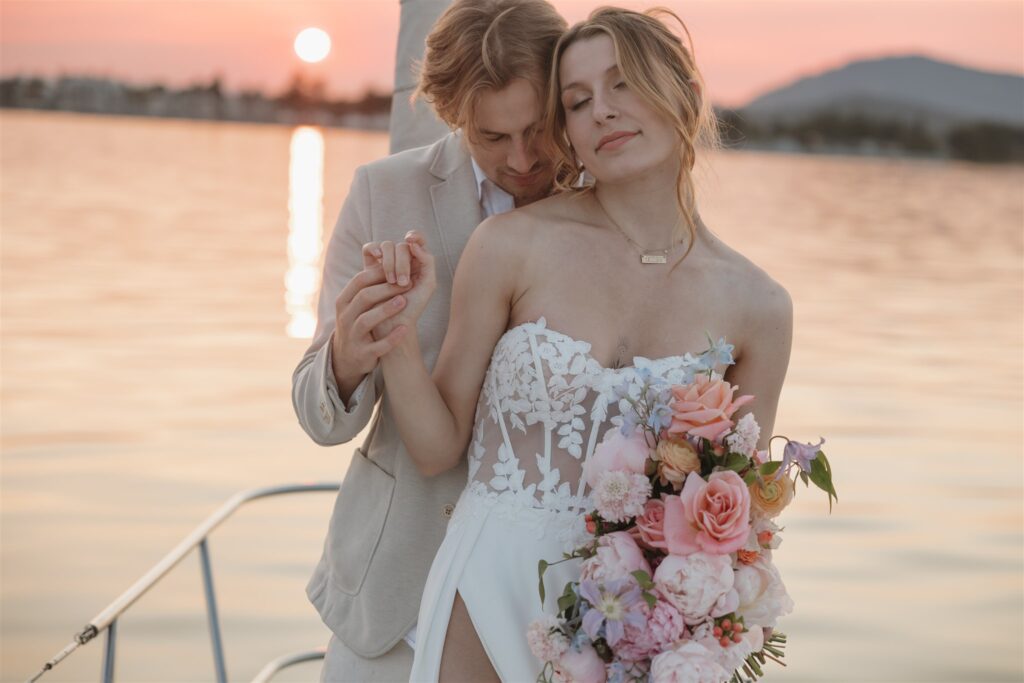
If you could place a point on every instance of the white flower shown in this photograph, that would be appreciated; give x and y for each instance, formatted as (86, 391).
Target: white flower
(621, 495)
(745, 435)
(691, 662)
(763, 537)
(733, 655)
(546, 642)
(763, 597)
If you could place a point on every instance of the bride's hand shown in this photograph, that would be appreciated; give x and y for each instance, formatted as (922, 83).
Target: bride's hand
(409, 264)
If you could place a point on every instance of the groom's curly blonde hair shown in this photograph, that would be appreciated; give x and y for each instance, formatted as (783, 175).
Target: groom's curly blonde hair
(656, 64)
(480, 45)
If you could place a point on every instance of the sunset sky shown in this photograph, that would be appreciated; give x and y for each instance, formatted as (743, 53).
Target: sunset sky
(743, 47)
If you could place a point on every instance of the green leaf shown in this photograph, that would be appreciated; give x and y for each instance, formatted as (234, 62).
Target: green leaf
(643, 578)
(736, 462)
(769, 468)
(542, 567)
(649, 599)
(821, 475)
(803, 475)
(750, 477)
(566, 601)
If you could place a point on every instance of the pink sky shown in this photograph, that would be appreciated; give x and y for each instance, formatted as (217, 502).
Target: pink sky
(743, 47)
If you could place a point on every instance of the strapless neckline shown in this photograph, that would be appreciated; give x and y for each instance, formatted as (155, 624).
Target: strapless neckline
(541, 324)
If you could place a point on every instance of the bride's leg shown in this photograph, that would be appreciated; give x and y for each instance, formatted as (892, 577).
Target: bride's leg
(464, 659)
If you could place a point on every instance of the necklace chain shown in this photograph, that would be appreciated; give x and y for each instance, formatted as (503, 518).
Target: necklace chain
(647, 256)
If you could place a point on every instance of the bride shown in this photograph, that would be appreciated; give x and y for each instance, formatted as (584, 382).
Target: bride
(554, 306)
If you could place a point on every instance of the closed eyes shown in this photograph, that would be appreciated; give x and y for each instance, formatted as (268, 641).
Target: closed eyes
(579, 103)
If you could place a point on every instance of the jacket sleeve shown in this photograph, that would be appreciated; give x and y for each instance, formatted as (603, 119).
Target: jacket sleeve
(315, 397)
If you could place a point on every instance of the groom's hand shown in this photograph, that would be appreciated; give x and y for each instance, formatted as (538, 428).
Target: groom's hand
(366, 301)
(409, 262)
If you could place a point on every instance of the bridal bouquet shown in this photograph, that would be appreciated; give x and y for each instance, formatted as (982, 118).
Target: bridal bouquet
(677, 583)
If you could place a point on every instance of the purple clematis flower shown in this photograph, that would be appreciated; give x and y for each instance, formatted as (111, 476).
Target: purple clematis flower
(614, 604)
(802, 453)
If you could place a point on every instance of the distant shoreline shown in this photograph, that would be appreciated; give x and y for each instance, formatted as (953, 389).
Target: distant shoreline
(844, 132)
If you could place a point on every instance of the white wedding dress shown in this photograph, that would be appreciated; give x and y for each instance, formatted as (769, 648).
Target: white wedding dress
(544, 405)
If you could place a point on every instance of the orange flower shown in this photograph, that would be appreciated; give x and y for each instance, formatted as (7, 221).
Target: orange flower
(747, 556)
(771, 496)
(676, 459)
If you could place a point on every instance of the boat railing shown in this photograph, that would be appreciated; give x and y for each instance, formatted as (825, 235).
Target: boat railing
(106, 620)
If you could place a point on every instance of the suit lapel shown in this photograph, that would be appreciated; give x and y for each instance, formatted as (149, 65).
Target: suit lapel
(454, 198)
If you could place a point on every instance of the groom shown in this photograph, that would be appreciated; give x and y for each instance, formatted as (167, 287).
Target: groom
(388, 520)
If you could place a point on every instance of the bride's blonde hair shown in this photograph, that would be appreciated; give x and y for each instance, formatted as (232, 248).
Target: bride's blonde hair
(656, 64)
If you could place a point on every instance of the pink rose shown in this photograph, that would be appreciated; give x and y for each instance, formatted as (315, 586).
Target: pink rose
(711, 516)
(691, 662)
(649, 529)
(617, 452)
(705, 407)
(695, 584)
(617, 556)
(580, 666)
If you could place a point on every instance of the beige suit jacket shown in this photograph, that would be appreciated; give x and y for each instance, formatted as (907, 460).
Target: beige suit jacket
(388, 520)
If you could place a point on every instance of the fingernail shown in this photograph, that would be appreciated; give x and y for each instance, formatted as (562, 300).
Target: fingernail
(403, 280)
(391, 278)
(398, 301)
(377, 252)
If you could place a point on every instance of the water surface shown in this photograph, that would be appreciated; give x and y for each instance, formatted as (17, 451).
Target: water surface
(155, 274)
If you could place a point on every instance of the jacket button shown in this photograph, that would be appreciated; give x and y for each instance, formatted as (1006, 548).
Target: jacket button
(447, 510)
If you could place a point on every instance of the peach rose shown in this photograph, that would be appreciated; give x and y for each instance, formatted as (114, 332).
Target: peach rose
(711, 516)
(676, 459)
(771, 496)
(705, 407)
(617, 452)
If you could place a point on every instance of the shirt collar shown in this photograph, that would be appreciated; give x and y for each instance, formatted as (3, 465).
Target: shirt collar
(480, 179)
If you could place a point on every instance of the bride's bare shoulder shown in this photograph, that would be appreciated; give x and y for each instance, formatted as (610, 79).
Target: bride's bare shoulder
(763, 299)
(518, 231)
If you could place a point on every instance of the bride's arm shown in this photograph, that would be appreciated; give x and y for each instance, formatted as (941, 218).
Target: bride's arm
(761, 368)
(434, 414)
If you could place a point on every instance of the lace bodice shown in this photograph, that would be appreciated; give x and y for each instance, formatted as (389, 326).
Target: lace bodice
(544, 406)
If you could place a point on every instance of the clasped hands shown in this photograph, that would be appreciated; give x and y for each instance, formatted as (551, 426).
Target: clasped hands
(378, 307)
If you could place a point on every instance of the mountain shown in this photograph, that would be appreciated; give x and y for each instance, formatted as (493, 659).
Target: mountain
(910, 88)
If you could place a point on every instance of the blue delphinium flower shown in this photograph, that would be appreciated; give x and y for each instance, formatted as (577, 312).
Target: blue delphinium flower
(613, 604)
(718, 353)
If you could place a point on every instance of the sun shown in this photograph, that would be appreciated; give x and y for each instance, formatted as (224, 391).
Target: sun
(312, 45)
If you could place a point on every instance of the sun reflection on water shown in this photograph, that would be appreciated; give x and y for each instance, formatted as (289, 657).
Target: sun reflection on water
(305, 229)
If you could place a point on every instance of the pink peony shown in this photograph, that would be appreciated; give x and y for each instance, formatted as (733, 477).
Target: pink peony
(712, 516)
(649, 529)
(617, 453)
(666, 625)
(763, 597)
(704, 407)
(617, 556)
(695, 584)
(691, 662)
(636, 645)
(580, 666)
